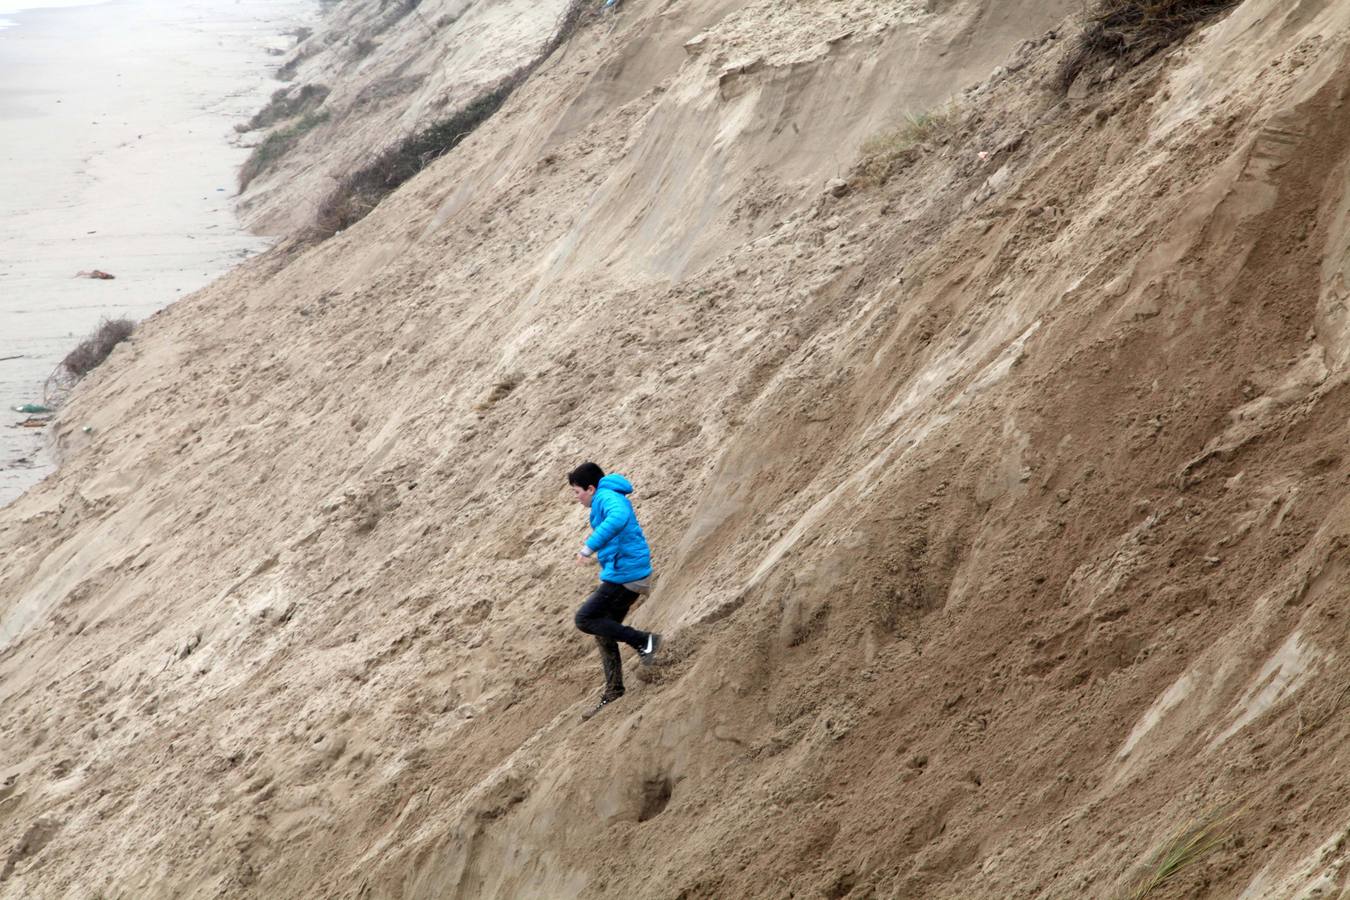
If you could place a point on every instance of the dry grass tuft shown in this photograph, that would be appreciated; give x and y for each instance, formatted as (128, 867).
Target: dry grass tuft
(1135, 29)
(95, 349)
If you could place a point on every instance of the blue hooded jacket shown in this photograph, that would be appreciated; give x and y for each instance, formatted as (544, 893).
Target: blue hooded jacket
(617, 538)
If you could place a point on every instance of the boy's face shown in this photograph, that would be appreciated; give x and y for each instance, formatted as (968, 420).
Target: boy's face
(583, 495)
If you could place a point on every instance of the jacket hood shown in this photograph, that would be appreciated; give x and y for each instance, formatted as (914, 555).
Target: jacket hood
(616, 483)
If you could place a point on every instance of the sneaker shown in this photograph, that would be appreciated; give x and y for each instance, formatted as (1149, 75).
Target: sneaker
(605, 700)
(648, 654)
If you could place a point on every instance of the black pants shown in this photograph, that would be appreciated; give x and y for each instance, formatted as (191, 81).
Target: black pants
(602, 616)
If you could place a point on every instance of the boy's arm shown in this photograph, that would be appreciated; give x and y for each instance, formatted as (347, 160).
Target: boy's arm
(616, 516)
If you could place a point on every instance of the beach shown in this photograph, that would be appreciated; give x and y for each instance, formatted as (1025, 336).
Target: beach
(118, 154)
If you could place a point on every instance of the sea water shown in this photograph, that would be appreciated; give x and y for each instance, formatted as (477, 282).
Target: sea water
(13, 6)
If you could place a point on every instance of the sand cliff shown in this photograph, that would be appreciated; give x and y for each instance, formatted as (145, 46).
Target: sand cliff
(998, 493)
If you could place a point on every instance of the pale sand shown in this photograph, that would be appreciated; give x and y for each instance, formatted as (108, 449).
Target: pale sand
(118, 153)
(950, 478)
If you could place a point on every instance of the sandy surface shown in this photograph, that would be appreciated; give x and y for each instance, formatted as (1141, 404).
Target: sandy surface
(117, 155)
(1000, 502)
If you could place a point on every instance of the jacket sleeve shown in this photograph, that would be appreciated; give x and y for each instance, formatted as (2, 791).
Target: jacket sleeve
(616, 517)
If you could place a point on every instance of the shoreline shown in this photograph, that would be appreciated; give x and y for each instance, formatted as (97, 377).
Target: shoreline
(11, 9)
(126, 162)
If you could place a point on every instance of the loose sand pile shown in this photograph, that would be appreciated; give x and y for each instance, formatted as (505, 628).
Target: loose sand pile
(998, 491)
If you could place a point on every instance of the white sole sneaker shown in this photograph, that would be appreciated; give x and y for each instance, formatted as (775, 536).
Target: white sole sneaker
(653, 647)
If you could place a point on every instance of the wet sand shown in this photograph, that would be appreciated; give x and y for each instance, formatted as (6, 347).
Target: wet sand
(117, 152)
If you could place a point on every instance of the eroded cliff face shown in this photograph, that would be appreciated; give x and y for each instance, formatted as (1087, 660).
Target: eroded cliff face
(999, 503)
(372, 75)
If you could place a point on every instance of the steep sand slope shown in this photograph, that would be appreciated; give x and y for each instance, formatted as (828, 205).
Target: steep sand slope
(385, 71)
(1000, 507)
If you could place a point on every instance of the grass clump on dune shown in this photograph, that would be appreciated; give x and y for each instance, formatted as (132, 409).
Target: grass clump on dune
(286, 103)
(276, 145)
(1189, 845)
(884, 152)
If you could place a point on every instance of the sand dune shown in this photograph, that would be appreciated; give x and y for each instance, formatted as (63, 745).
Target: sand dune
(996, 482)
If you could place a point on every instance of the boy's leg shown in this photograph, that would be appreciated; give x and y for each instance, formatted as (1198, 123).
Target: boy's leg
(652, 640)
(602, 615)
(612, 665)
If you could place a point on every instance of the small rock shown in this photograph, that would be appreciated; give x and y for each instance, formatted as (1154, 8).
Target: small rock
(837, 187)
(334, 747)
(189, 645)
(999, 180)
(1079, 89)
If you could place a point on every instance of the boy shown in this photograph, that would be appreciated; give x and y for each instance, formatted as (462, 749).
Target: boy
(618, 544)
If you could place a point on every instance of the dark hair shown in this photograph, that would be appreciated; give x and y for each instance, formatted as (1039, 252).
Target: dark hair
(586, 475)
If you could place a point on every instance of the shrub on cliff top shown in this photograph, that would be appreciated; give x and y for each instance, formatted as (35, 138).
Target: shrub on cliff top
(95, 349)
(1135, 29)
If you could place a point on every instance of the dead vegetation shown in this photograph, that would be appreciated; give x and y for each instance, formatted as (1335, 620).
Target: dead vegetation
(276, 145)
(361, 191)
(95, 348)
(358, 193)
(1135, 29)
(288, 70)
(286, 103)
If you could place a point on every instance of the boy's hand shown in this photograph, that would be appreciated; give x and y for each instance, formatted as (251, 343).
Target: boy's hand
(584, 556)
